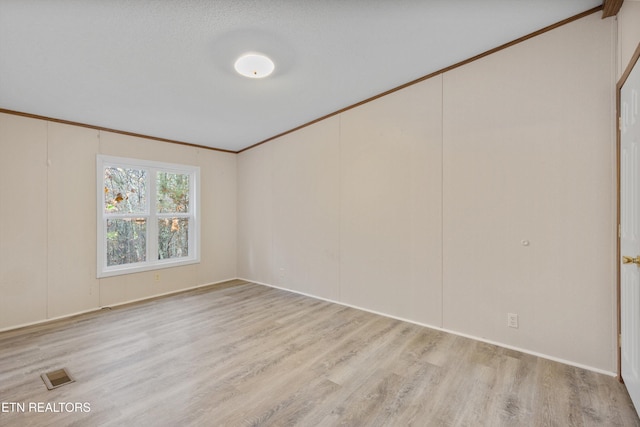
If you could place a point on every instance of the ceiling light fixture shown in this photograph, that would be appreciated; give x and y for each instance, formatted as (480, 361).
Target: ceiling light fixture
(254, 66)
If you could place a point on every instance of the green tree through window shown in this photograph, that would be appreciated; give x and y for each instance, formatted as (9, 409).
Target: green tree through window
(173, 231)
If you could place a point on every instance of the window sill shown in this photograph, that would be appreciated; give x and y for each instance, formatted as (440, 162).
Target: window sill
(139, 268)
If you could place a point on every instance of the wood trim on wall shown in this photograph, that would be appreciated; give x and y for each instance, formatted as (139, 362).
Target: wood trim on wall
(611, 8)
(436, 73)
(625, 75)
(634, 59)
(121, 132)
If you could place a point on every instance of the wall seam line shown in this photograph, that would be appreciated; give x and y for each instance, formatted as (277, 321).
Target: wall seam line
(48, 213)
(442, 200)
(340, 207)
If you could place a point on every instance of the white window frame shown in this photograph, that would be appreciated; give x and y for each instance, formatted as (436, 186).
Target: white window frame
(151, 263)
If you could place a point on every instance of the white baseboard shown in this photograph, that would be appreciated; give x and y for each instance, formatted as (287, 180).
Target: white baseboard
(91, 310)
(164, 294)
(499, 344)
(47, 320)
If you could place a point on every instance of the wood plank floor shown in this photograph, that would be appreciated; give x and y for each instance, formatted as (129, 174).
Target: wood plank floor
(241, 354)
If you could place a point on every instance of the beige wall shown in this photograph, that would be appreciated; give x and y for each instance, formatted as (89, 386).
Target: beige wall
(48, 220)
(416, 205)
(529, 155)
(305, 236)
(23, 221)
(255, 217)
(390, 204)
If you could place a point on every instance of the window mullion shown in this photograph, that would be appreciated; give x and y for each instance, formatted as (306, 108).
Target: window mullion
(152, 226)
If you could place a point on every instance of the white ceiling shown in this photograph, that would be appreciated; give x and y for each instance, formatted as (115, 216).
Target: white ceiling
(165, 68)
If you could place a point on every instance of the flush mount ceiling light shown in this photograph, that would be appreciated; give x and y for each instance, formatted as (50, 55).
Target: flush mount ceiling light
(254, 66)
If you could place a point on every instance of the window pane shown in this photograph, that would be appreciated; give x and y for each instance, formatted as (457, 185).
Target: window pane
(173, 192)
(173, 238)
(125, 190)
(126, 241)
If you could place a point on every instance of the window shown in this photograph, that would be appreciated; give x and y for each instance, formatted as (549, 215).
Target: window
(147, 215)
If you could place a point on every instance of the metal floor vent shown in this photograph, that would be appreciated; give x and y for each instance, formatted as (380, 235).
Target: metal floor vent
(55, 379)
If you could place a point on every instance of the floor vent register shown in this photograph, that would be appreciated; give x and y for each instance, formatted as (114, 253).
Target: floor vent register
(55, 379)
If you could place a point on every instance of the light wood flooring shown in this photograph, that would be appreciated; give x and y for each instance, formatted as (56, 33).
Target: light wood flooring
(241, 354)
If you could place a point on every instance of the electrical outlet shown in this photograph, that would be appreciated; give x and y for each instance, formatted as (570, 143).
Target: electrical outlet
(512, 320)
(156, 277)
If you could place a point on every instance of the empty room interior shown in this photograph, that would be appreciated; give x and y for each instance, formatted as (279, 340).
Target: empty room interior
(319, 213)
